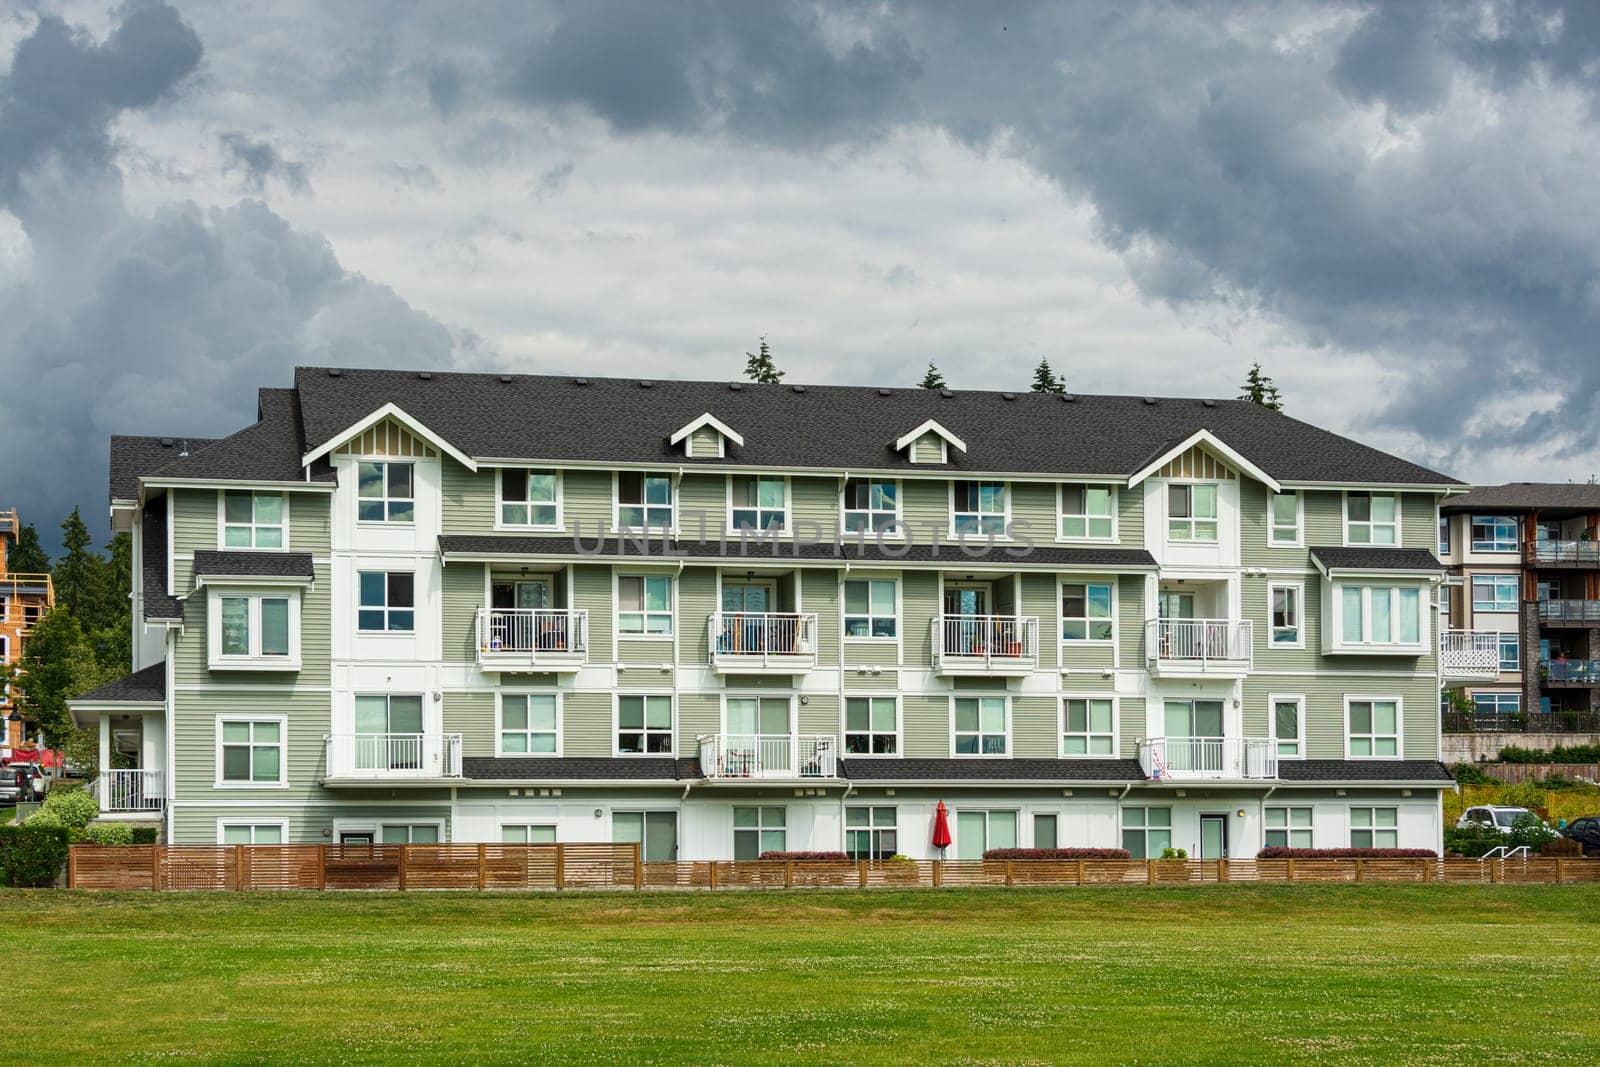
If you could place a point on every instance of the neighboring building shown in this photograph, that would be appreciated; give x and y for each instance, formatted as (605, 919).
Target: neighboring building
(24, 598)
(1523, 610)
(412, 606)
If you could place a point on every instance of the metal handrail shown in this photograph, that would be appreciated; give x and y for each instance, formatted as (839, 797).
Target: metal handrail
(1208, 757)
(532, 630)
(1564, 551)
(764, 634)
(1202, 641)
(1568, 610)
(393, 755)
(1006, 638)
(768, 755)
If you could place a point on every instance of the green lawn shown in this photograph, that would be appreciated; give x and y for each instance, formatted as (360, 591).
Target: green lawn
(1302, 974)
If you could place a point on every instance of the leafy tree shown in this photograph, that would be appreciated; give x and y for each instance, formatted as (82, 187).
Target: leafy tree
(59, 663)
(759, 366)
(25, 556)
(1045, 380)
(1259, 390)
(933, 379)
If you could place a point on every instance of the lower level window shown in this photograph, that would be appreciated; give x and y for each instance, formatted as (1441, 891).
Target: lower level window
(422, 833)
(1496, 703)
(979, 831)
(1288, 828)
(1045, 830)
(527, 834)
(656, 832)
(260, 833)
(870, 833)
(1374, 828)
(758, 830)
(1146, 832)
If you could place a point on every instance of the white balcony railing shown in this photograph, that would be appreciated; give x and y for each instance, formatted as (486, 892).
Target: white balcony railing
(1230, 758)
(786, 756)
(1201, 645)
(532, 637)
(1469, 653)
(985, 644)
(762, 639)
(131, 790)
(387, 756)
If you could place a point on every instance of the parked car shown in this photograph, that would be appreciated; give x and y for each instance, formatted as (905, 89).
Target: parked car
(1501, 818)
(1586, 832)
(22, 782)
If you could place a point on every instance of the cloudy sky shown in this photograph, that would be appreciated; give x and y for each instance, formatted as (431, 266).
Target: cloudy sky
(1393, 207)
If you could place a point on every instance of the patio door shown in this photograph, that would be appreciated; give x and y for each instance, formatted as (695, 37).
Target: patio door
(1194, 735)
(1213, 837)
(748, 630)
(979, 831)
(964, 630)
(759, 734)
(656, 832)
(388, 732)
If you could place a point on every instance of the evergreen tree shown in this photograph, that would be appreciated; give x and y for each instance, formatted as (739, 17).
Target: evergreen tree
(58, 664)
(759, 366)
(933, 379)
(25, 556)
(1045, 380)
(1258, 389)
(113, 637)
(81, 579)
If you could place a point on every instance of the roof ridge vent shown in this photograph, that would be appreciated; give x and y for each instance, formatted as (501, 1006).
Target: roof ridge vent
(505, 379)
(1008, 396)
(1067, 398)
(580, 381)
(735, 387)
(886, 392)
(335, 372)
(1208, 403)
(798, 388)
(1150, 400)
(425, 375)
(947, 394)
(644, 383)
(167, 442)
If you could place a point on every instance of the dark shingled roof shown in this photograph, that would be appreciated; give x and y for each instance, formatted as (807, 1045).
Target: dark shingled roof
(146, 686)
(1527, 496)
(234, 564)
(577, 768)
(780, 551)
(621, 421)
(1376, 558)
(1357, 770)
(992, 770)
(157, 604)
(134, 457)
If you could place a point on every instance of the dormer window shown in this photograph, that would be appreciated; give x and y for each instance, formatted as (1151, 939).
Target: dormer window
(929, 443)
(707, 437)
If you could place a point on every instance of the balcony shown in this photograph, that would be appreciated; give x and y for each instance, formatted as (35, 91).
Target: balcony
(1559, 554)
(1568, 612)
(746, 642)
(1556, 721)
(1182, 759)
(1570, 673)
(393, 757)
(789, 757)
(991, 645)
(131, 792)
(1200, 648)
(532, 639)
(1469, 654)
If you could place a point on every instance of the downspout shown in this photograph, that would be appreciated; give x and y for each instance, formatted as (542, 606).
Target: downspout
(850, 787)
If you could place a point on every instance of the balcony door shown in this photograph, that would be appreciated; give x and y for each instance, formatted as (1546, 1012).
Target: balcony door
(964, 631)
(388, 733)
(515, 628)
(745, 625)
(656, 832)
(759, 735)
(1194, 735)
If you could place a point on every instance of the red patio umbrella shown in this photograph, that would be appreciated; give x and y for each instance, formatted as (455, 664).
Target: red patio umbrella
(941, 828)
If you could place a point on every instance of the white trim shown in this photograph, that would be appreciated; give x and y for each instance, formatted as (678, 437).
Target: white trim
(500, 501)
(980, 697)
(1299, 520)
(845, 578)
(526, 822)
(930, 426)
(1399, 723)
(1061, 620)
(1299, 612)
(896, 534)
(223, 524)
(224, 821)
(670, 531)
(788, 527)
(899, 724)
(394, 411)
(1299, 699)
(1061, 514)
(710, 420)
(375, 826)
(961, 537)
(758, 695)
(1061, 725)
(1216, 444)
(254, 660)
(385, 499)
(1399, 518)
(616, 723)
(619, 633)
(250, 717)
(499, 729)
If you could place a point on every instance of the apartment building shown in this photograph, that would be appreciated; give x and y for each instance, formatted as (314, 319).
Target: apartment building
(1521, 608)
(721, 619)
(24, 599)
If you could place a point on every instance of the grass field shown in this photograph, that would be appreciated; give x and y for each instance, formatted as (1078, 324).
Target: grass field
(1301, 974)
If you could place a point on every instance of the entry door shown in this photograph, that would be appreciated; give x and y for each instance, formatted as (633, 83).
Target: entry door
(1194, 735)
(1213, 837)
(963, 632)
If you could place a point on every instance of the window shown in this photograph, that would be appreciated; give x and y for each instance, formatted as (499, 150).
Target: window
(1086, 512)
(1088, 726)
(250, 751)
(385, 492)
(1444, 535)
(644, 604)
(529, 724)
(644, 724)
(979, 831)
(871, 505)
(1286, 615)
(1086, 611)
(1288, 828)
(1374, 728)
(1374, 828)
(424, 833)
(1283, 519)
(871, 726)
(869, 608)
(655, 832)
(1497, 704)
(758, 503)
(388, 602)
(527, 834)
(980, 726)
(1510, 652)
(1146, 832)
(529, 498)
(1494, 533)
(1288, 723)
(1044, 830)
(253, 630)
(1380, 615)
(1494, 592)
(979, 507)
(644, 501)
(250, 833)
(869, 833)
(758, 830)
(1192, 512)
(388, 732)
(1371, 519)
(252, 520)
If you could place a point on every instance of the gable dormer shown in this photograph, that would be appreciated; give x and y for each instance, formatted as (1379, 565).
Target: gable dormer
(929, 443)
(706, 438)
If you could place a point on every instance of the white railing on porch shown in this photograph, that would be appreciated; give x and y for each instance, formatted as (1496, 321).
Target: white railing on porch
(1203, 642)
(992, 640)
(131, 790)
(1469, 653)
(532, 630)
(769, 756)
(394, 756)
(769, 636)
(1208, 757)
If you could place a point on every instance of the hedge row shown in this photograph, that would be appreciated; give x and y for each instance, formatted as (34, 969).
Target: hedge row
(833, 856)
(1056, 854)
(32, 855)
(1278, 853)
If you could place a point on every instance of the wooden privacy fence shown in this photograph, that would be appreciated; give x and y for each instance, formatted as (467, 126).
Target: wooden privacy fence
(618, 866)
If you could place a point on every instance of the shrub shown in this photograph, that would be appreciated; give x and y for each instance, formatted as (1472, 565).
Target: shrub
(1174, 853)
(109, 833)
(1531, 831)
(1277, 852)
(1472, 774)
(145, 835)
(1056, 854)
(1559, 754)
(1521, 795)
(776, 855)
(1472, 840)
(73, 807)
(32, 855)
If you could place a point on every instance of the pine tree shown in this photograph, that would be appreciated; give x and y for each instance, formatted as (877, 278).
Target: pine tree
(1258, 389)
(759, 366)
(81, 579)
(113, 637)
(25, 556)
(1045, 380)
(933, 379)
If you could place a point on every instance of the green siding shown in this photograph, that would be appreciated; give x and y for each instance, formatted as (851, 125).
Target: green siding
(920, 605)
(1324, 709)
(472, 716)
(697, 600)
(1034, 726)
(929, 448)
(586, 724)
(819, 715)
(698, 714)
(926, 730)
(468, 498)
(591, 590)
(461, 597)
(1130, 725)
(706, 442)
(194, 741)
